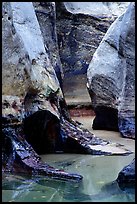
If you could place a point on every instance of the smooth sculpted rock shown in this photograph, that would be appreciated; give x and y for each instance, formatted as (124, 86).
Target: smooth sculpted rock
(111, 77)
(28, 79)
(80, 28)
(35, 119)
(46, 15)
(25, 62)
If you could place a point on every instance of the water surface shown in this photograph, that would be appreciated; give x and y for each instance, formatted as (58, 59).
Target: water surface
(99, 175)
(98, 184)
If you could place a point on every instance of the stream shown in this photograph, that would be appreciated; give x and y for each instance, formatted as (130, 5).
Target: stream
(99, 175)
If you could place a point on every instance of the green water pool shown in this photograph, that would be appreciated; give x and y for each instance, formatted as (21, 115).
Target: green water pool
(98, 184)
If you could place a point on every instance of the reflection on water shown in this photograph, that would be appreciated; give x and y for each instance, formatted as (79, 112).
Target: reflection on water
(99, 175)
(98, 184)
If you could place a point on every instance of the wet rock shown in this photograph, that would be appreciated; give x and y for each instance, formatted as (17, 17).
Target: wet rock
(80, 140)
(111, 79)
(126, 177)
(47, 134)
(26, 160)
(126, 125)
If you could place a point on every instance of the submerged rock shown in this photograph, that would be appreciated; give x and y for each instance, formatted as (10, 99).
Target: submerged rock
(111, 78)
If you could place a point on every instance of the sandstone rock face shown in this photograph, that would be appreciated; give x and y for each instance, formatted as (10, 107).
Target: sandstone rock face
(29, 86)
(25, 61)
(46, 15)
(28, 79)
(126, 108)
(97, 8)
(80, 28)
(111, 75)
(33, 105)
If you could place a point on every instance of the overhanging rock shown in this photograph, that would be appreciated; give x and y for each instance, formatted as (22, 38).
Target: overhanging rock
(111, 76)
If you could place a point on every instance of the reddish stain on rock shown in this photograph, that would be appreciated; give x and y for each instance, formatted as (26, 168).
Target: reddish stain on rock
(77, 112)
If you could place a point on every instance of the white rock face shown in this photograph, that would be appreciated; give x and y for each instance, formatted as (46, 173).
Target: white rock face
(105, 67)
(110, 74)
(46, 16)
(25, 63)
(97, 8)
(26, 24)
(80, 28)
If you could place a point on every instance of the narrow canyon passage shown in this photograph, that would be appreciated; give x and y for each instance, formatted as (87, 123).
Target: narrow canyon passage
(68, 101)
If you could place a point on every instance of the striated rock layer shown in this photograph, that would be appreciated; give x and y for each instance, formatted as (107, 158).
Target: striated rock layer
(111, 77)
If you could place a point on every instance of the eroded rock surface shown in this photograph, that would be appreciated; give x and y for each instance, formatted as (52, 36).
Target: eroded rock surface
(111, 76)
(46, 15)
(25, 61)
(80, 28)
(29, 81)
(33, 104)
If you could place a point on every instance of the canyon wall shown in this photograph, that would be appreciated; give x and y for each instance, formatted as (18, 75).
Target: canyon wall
(80, 29)
(35, 118)
(111, 77)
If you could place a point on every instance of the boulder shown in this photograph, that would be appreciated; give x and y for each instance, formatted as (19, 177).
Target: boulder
(126, 177)
(111, 78)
